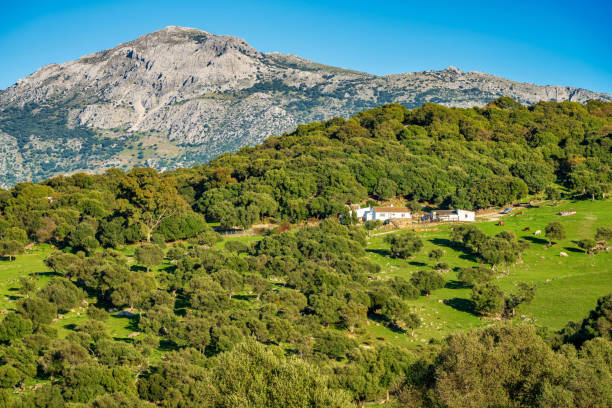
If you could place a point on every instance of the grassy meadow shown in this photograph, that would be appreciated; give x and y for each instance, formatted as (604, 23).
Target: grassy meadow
(567, 287)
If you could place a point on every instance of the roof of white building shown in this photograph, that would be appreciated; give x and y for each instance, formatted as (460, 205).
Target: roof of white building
(392, 209)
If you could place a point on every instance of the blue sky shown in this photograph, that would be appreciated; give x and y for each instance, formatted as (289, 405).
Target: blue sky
(545, 42)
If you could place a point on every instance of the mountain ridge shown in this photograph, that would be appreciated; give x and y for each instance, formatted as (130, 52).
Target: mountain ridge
(180, 96)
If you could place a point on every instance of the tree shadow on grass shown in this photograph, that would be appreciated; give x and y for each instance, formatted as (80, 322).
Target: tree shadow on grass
(385, 322)
(536, 240)
(47, 273)
(168, 268)
(570, 249)
(455, 284)
(138, 268)
(132, 325)
(463, 305)
(167, 345)
(124, 339)
(70, 326)
(381, 252)
(445, 242)
(244, 297)
(415, 263)
(469, 257)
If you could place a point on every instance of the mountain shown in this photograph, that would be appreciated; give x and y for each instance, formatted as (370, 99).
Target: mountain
(181, 96)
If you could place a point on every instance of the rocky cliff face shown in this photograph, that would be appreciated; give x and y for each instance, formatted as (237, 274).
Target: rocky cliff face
(180, 96)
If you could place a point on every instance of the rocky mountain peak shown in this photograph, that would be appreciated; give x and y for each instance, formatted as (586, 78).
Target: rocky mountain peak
(180, 96)
(175, 35)
(452, 70)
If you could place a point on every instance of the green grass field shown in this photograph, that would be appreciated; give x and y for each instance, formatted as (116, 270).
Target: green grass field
(567, 287)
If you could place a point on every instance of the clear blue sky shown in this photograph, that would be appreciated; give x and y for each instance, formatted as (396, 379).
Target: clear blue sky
(554, 42)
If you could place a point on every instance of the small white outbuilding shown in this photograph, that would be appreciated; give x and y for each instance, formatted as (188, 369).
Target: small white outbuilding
(453, 215)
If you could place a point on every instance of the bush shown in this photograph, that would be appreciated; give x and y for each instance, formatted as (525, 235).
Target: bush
(182, 226)
(586, 244)
(236, 246)
(63, 294)
(404, 245)
(488, 299)
(474, 275)
(426, 281)
(603, 234)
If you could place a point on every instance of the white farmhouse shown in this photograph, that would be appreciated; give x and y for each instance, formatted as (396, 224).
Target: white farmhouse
(362, 213)
(382, 213)
(453, 215)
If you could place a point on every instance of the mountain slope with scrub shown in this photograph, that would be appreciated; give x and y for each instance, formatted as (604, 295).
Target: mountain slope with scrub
(181, 96)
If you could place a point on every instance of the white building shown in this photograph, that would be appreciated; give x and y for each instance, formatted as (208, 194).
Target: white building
(453, 215)
(361, 213)
(382, 213)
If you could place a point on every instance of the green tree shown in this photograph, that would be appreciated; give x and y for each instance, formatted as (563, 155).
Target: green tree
(554, 231)
(38, 310)
(229, 280)
(399, 313)
(499, 250)
(155, 197)
(404, 245)
(488, 298)
(14, 327)
(603, 234)
(514, 368)
(353, 314)
(426, 281)
(11, 248)
(385, 189)
(436, 254)
(133, 288)
(149, 255)
(28, 285)
(83, 237)
(62, 293)
(523, 294)
(587, 244)
(259, 284)
(474, 275)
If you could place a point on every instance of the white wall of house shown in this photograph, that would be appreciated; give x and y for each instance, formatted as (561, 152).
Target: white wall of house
(447, 217)
(464, 215)
(393, 215)
(456, 215)
(360, 212)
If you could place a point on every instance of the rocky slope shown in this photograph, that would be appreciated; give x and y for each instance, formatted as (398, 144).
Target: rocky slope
(180, 96)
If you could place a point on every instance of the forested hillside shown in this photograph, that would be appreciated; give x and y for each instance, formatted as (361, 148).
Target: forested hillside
(285, 319)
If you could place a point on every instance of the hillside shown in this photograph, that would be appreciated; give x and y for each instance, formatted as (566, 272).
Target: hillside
(182, 96)
(132, 289)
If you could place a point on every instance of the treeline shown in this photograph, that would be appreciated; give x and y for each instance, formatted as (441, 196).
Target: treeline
(432, 155)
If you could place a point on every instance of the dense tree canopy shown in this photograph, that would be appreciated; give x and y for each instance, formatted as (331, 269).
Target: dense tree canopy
(275, 322)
